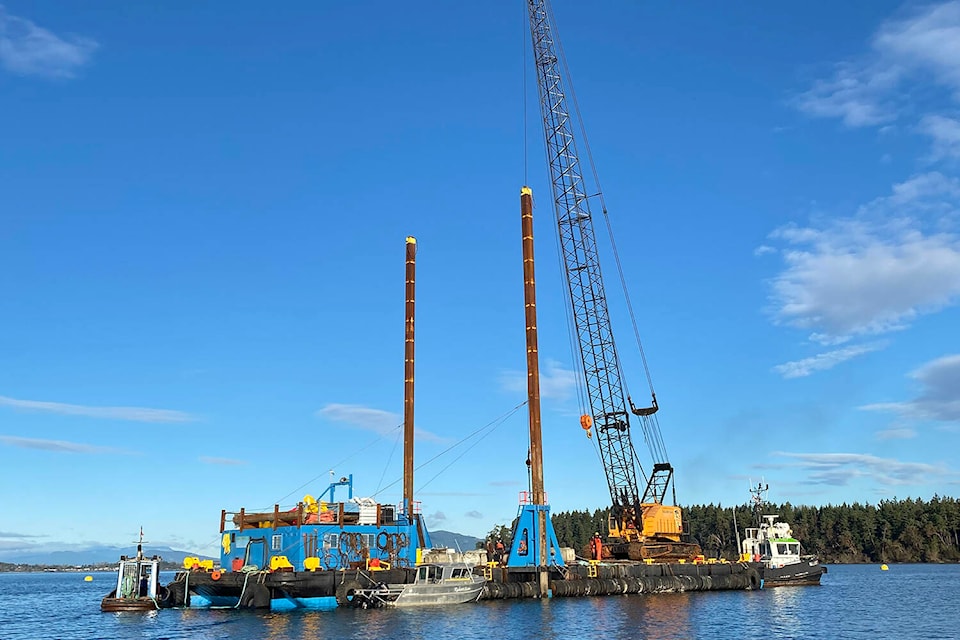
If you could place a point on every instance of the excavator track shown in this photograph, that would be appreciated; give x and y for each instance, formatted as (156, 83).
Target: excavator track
(658, 551)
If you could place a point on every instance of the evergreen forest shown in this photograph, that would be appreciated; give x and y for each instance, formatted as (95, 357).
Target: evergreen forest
(892, 531)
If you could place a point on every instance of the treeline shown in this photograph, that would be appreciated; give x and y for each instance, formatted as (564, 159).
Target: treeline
(891, 531)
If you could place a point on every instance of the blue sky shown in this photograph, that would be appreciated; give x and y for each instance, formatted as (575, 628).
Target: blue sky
(202, 223)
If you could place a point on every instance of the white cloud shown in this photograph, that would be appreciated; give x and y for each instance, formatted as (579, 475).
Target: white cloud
(869, 90)
(945, 133)
(940, 393)
(927, 41)
(841, 468)
(556, 381)
(134, 414)
(505, 483)
(436, 518)
(874, 272)
(763, 250)
(376, 420)
(58, 445)
(824, 361)
(924, 194)
(27, 49)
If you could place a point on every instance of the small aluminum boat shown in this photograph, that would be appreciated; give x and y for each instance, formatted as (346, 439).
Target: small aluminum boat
(433, 585)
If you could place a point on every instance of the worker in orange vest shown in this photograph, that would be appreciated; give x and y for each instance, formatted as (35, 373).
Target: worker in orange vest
(596, 547)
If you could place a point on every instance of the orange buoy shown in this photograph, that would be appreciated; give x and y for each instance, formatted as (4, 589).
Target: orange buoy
(215, 575)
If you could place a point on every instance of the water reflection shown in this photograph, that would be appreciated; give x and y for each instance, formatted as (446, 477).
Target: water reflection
(784, 609)
(660, 616)
(277, 626)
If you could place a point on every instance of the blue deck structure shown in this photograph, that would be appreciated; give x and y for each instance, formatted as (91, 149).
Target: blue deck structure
(310, 556)
(322, 533)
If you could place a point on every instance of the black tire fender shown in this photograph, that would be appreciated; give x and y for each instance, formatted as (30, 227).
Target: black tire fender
(346, 593)
(257, 596)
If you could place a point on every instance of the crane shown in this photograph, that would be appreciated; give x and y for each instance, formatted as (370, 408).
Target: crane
(641, 526)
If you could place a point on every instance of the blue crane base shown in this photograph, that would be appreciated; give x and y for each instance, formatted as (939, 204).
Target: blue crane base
(525, 549)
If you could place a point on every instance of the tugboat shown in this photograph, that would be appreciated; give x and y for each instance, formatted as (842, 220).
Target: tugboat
(138, 584)
(771, 543)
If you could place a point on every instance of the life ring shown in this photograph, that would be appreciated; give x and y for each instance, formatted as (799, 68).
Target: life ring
(215, 575)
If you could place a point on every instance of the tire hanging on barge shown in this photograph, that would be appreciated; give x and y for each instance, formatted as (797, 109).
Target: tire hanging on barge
(346, 593)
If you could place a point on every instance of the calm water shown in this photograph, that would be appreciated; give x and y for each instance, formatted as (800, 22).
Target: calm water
(908, 601)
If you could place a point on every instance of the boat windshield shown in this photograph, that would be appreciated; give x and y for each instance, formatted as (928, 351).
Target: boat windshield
(788, 548)
(137, 580)
(428, 573)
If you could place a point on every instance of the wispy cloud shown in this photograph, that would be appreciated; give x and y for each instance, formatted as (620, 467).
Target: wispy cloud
(28, 49)
(474, 514)
(824, 361)
(14, 534)
(857, 94)
(839, 469)
(134, 414)
(896, 433)
(945, 134)
(505, 483)
(556, 381)
(456, 494)
(376, 420)
(436, 518)
(940, 393)
(875, 271)
(221, 461)
(59, 445)
(872, 89)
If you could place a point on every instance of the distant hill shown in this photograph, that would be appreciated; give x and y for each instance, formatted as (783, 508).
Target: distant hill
(90, 555)
(451, 540)
(111, 554)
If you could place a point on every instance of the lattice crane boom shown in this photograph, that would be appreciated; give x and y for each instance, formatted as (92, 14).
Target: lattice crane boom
(610, 407)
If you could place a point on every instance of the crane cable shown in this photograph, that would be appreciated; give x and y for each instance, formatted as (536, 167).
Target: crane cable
(651, 435)
(490, 427)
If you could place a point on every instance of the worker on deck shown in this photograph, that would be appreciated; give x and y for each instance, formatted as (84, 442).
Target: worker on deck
(596, 547)
(498, 555)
